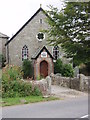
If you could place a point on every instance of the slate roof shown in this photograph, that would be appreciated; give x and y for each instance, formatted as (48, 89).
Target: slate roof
(40, 9)
(38, 52)
(3, 35)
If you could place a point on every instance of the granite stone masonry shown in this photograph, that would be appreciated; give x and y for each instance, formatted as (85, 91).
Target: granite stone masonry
(79, 83)
(44, 85)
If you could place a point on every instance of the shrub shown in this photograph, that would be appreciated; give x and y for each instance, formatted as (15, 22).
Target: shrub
(27, 69)
(12, 73)
(16, 88)
(13, 86)
(67, 70)
(19, 88)
(58, 66)
(64, 69)
(2, 61)
(36, 91)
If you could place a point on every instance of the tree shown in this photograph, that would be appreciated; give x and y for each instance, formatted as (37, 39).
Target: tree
(70, 29)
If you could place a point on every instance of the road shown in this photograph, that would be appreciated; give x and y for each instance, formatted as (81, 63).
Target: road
(70, 108)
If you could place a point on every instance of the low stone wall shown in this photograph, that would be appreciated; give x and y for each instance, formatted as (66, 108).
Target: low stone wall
(44, 85)
(78, 83)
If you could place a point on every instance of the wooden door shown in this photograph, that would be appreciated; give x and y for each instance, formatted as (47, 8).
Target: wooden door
(44, 68)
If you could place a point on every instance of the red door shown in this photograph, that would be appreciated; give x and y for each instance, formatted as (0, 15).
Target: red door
(44, 68)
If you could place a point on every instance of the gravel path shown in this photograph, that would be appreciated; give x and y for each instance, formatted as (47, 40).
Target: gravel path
(63, 92)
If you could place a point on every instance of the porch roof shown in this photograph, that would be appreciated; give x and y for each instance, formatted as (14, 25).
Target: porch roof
(38, 52)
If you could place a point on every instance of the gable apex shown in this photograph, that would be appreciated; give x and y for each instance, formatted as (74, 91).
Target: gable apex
(40, 9)
(38, 52)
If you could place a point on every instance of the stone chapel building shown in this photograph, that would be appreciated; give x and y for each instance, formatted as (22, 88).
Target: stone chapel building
(30, 43)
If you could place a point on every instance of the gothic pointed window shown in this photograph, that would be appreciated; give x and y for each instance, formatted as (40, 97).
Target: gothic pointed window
(56, 52)
(25, 53)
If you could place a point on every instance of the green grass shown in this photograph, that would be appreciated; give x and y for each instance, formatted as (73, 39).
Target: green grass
(27, 100)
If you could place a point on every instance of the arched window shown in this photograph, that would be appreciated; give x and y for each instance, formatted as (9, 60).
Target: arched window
(56, 52)
(25, 53)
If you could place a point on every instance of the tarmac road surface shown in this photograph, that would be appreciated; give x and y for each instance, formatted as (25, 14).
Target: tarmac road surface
(68, 108)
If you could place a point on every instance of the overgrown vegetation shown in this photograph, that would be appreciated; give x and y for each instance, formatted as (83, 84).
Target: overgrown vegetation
(13, 86)
(17, 91)
(27, 69)
(64, 69)
(12, 73)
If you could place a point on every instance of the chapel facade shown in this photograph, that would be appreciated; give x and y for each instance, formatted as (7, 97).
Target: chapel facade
(30, 43)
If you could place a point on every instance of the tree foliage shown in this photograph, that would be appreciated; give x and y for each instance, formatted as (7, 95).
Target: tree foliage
(70, 29)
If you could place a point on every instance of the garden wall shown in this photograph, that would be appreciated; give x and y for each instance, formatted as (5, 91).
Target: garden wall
(44, 85)
(79, 83)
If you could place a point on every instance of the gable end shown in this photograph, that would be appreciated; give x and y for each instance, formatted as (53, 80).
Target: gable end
(40, 9)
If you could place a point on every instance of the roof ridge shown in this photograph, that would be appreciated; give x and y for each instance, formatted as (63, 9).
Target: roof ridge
(40, 9)
(3, 35)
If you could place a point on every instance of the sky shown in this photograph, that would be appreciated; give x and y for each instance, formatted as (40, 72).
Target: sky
(15, 13)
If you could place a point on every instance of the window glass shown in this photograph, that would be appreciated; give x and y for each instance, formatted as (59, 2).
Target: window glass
(56, 52)
(25, 53)
(40, 36)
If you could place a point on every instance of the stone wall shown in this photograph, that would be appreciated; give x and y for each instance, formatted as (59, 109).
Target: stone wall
(78, 83)
(44, 85)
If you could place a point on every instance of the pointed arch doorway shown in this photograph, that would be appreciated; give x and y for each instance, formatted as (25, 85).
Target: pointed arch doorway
(44, 68)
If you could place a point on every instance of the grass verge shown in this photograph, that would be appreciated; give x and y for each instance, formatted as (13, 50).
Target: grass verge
(25, 100)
